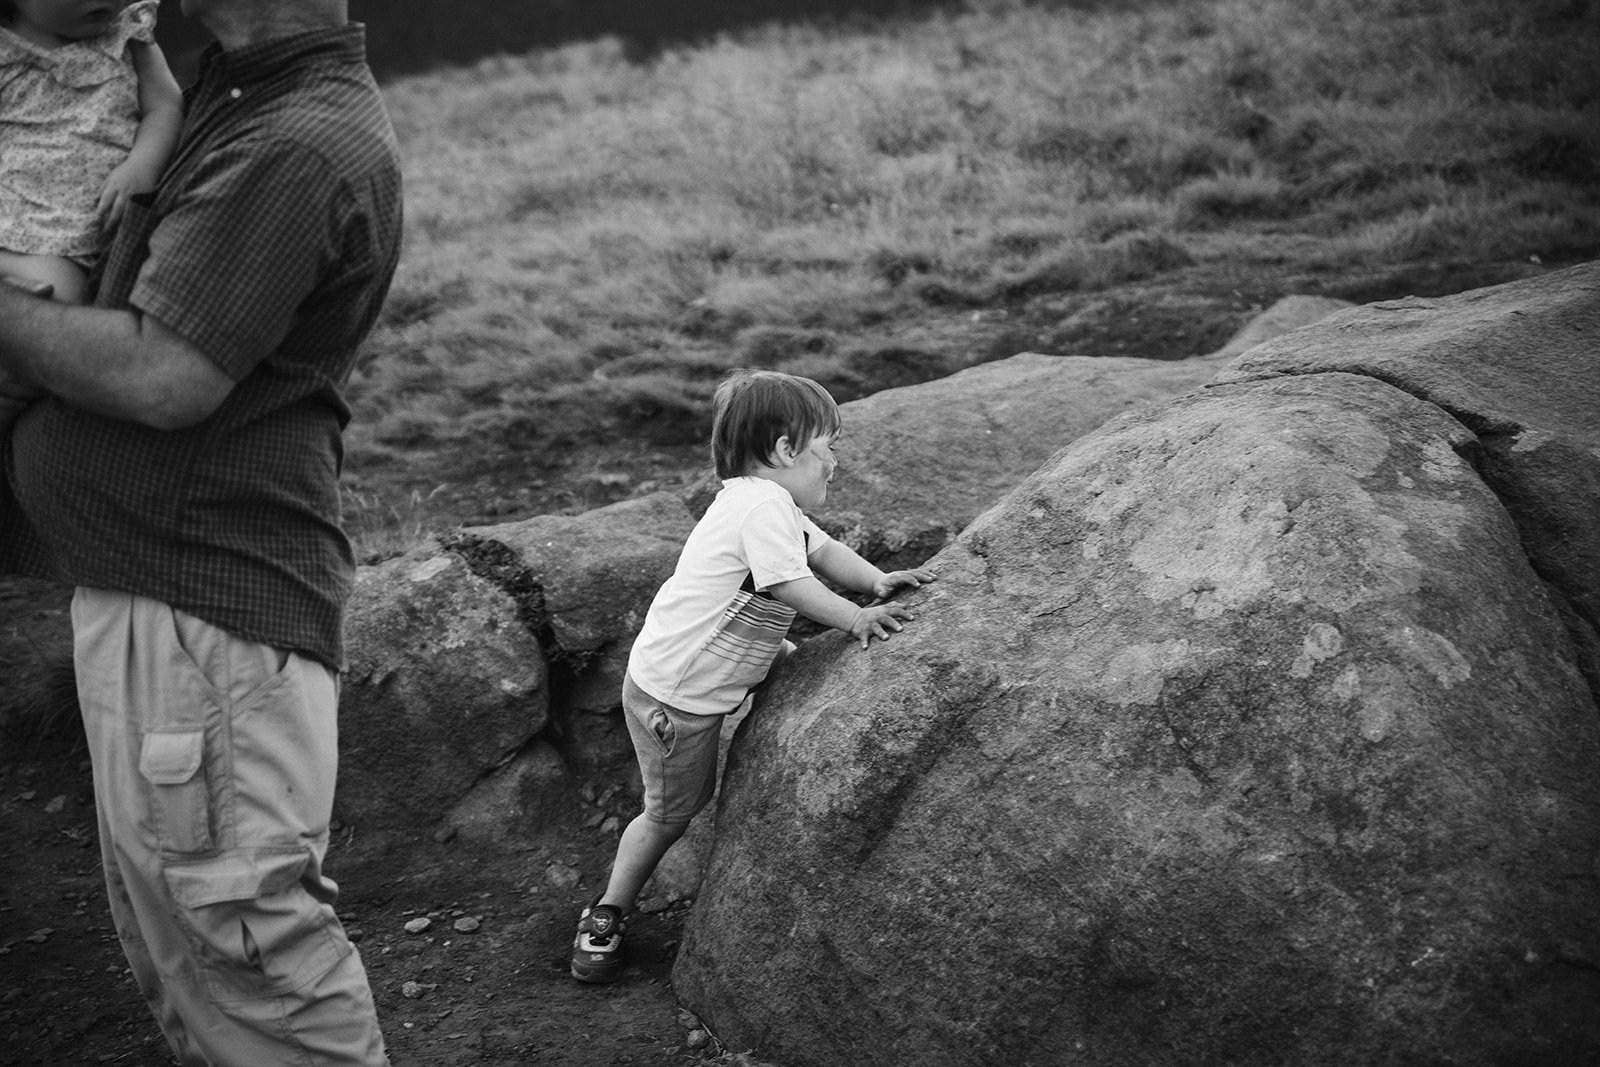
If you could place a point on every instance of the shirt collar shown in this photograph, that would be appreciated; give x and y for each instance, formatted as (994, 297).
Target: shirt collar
(258, 62)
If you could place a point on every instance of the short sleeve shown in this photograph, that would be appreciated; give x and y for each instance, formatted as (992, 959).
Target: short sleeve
(136, 23)
(14, 54)
(231, 262)
(773, 541)
(816, 537)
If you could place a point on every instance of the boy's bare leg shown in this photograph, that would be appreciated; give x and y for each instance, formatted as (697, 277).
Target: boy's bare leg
(643, 844)
(68, 280)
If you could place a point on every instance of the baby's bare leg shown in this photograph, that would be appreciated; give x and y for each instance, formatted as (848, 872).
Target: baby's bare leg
(68, 281)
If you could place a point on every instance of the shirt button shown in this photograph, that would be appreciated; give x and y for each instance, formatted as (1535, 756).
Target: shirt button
(236, 93)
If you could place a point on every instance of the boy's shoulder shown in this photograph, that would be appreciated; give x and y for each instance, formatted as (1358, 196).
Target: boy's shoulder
(743, 494)
(745, 500)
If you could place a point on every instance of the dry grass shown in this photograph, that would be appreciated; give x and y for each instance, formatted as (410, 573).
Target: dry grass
(591, 241)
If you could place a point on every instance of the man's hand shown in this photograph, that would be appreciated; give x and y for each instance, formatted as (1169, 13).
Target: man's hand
(17, 392)
(885, 587)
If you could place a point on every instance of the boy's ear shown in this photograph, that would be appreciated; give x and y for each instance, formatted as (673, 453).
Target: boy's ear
(782, 453)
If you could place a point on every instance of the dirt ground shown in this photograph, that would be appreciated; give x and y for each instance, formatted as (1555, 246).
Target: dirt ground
(498, 993)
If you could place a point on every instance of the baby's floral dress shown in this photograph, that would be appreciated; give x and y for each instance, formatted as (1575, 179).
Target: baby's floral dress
(68, 116)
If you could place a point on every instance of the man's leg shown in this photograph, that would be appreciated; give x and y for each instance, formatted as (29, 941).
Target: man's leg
(214, 762)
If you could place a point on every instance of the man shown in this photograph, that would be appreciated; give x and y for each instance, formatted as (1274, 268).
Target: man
(181, 472)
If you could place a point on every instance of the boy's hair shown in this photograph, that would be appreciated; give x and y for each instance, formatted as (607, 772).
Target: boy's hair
(753, 408)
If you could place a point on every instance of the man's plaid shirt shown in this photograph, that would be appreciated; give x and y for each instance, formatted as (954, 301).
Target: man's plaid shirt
(269, 246)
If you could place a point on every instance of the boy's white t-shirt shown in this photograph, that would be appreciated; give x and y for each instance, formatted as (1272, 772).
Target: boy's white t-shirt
(712, 631)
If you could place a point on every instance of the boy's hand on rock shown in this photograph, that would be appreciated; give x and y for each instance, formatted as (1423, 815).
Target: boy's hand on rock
(879, 621)
(886, 586)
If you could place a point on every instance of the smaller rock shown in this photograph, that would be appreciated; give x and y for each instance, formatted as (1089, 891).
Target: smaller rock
(699, 1039)
(419, 924)
(468, 925)
(562, 876)
(39, 937)
(688, 1019)
(444, 835)
(414, 990)
(56, 806)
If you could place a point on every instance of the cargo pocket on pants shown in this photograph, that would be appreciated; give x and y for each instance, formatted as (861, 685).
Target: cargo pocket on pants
(263, 933)
(171, 761)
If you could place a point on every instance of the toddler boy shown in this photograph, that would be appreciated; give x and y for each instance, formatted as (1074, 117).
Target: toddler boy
(717, 627)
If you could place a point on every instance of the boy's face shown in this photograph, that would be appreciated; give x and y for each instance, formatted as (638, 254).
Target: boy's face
(811, 472)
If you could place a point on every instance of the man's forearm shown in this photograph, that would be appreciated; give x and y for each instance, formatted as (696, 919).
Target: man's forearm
(115, 363)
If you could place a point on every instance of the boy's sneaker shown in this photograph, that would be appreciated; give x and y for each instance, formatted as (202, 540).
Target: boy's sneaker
(597, 950)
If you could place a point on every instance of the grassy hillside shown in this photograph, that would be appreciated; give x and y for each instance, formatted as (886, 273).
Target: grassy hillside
(592, 241)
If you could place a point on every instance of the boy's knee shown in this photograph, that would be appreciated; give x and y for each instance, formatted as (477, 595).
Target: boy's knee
(666, 829)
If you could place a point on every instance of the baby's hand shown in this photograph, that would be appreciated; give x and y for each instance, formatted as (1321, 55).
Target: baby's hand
(912, 579)
(879, 620)
(127, 181)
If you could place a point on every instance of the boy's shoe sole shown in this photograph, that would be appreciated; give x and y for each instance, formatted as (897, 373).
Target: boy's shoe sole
(597, 950)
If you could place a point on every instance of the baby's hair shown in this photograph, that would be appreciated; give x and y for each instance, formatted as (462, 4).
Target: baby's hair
(753, 408)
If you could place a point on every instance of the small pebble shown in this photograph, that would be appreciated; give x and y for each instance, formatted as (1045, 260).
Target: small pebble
(419, 924)
(468, 925)
(561, 875)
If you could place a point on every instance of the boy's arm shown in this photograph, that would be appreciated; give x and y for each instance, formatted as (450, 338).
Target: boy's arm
(820, 604)
(841, 565)
(160, 118)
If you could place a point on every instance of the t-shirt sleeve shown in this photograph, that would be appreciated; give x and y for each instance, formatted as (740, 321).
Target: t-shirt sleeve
(773, 541)
(815, 536)
(232, 261)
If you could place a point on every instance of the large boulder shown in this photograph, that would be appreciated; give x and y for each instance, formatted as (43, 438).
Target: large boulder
(445, 684)
(918, 463)
(1243, 732)
(1519, 365)
(1286, 315)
